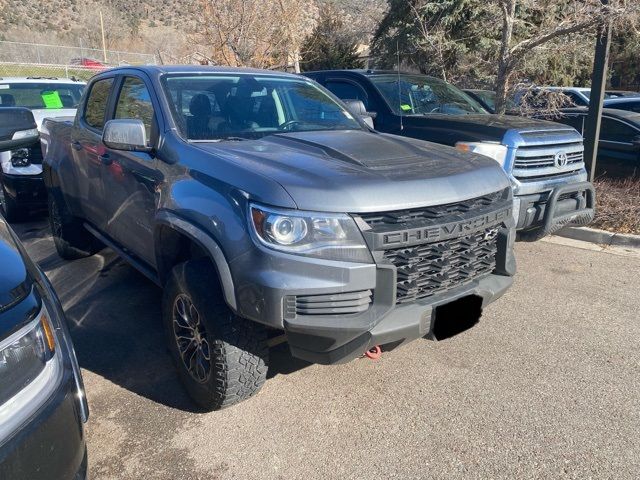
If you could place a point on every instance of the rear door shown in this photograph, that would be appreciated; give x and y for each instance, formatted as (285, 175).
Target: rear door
(617, 140)
(88, 151)
(131, 179)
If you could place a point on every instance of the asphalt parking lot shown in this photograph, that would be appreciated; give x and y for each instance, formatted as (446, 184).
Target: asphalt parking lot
(546, 385)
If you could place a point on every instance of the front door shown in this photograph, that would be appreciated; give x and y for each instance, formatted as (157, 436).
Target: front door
(131, 179)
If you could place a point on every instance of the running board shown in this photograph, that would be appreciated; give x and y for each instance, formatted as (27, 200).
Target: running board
(134, 261)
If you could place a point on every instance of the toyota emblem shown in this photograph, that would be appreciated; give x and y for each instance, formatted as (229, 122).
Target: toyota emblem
(561, 159)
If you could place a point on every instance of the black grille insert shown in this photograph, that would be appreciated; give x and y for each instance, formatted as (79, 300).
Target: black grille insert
(428, 269)
(436, 212)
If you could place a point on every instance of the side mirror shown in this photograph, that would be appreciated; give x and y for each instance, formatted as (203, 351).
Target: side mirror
(18, 128)
(357, 108)
(125, 134)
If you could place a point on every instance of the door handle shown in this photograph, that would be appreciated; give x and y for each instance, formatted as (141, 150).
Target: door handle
(105, 159)
(76, 145)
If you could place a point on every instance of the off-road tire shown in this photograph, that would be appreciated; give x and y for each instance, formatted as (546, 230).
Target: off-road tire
(11, 211)
(71, 239)
(237, 348)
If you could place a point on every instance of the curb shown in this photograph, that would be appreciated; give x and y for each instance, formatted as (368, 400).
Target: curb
(600, 237)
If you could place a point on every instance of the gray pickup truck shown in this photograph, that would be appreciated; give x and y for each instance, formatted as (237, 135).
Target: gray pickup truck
(267, 211)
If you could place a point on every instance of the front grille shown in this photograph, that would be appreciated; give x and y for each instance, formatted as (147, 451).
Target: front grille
(536, 156)
(532, 158)
(437, 212)
(429, 269)
(330, 304)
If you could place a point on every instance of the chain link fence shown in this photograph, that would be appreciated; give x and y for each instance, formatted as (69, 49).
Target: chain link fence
(40, 60)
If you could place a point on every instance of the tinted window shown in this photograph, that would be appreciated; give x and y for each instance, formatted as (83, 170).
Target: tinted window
(631, 106)
(134, 102)
(419, 95)
(616, 131)
(346, 91)
(226, 106)
(36, 95)
(97, 103)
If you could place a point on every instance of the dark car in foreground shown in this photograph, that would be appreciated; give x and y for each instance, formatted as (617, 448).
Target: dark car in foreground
(619, 144)
(543, 159)
(42, 403)
(264, 208)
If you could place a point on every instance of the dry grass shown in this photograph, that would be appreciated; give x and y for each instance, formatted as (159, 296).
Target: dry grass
(618, 205)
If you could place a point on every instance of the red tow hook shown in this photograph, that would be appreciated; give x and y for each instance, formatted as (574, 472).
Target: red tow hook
(374, 353)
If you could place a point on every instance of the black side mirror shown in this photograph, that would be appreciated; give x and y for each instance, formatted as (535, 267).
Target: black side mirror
(18, 128)
(357, 108)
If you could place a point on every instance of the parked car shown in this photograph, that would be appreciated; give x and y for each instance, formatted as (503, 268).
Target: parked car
(42, 402)
(620, 94)
(619, 144)
(88, 63)
(631, 104)
(487, 98)
(21, 185)
(264, 207)
(543, 159)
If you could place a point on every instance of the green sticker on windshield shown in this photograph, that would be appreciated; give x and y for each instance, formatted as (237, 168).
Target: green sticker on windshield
(405, 107)
(51, 99)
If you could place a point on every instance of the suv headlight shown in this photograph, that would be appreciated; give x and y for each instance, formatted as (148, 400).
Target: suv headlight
(328, 236)
(30, 368)
(20, 157)
(496, 151)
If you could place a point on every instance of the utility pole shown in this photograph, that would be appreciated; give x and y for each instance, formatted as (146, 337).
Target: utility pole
(104, 45)
(598, 84)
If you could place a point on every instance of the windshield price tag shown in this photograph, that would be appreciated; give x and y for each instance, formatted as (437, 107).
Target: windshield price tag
(51, 99)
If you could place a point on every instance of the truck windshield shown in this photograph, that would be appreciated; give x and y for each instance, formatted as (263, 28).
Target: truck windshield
(226, 106)
(420, 95)
(37, 96)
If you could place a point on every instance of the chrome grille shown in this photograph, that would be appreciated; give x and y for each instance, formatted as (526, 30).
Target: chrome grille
(536, 156)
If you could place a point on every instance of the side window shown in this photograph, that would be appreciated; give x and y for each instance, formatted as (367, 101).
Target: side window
(576, 99)
(97, 103)
(616, 131)
(347, 91)
(134, 102)
(575, 121)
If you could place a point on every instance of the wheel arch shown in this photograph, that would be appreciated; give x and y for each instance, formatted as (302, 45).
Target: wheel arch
(171, 233)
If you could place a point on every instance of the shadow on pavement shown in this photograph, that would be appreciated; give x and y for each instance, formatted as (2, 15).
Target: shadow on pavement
(114, 314)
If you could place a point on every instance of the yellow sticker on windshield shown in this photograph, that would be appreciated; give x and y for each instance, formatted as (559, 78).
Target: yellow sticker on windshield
(51, 99)
(405, 107)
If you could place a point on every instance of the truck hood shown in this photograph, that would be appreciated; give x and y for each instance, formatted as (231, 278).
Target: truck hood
(477, 127)
(359, 171)
(14, 278)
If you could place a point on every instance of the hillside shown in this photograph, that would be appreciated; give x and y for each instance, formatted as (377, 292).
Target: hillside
(142, 26)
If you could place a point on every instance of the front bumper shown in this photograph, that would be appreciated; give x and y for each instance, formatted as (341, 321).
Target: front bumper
(266, 279)
(52, 444)
(26, 190)
(544, 206)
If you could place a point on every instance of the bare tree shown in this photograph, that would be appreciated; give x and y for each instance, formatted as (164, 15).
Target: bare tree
(253, 33)
(555, 19)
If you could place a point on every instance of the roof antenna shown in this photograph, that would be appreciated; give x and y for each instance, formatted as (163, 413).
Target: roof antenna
(399, 89)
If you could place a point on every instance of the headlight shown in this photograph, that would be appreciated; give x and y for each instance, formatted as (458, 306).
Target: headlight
(20, 157)
(496, 151)
(313, 234)
(30, 368)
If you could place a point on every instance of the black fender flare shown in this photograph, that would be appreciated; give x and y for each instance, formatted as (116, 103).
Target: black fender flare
(208, 245)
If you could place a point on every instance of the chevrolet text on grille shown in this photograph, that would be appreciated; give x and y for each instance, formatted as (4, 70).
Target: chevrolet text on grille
(441, 232)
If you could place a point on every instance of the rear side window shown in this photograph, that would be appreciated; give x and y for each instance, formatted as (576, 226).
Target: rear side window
(616, 131)
(346, 91)
(134, 102)
(97, 103)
